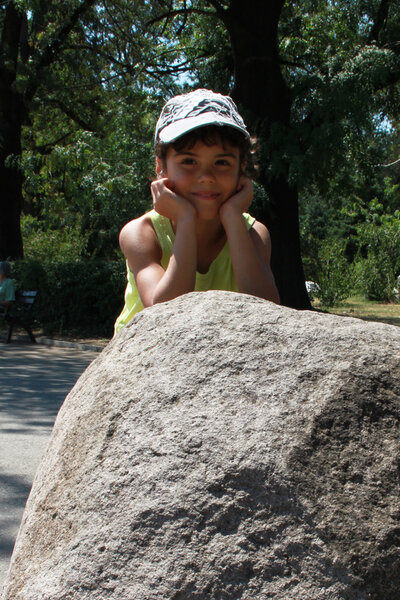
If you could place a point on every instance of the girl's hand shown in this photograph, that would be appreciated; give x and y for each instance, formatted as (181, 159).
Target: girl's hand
(240, 201)
(169, 204)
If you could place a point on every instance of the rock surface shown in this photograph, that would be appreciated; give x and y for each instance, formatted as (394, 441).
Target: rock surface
(222, 447)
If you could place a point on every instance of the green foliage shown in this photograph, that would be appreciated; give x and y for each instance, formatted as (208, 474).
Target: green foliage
(378, 263)
(363, 251)
(91, 100)
(321, 218)
(333, 273)
(340, 77)
(63, 245)
(84, 297)
(355, 205)
(206, 47)
(95, 184)
(391, 194)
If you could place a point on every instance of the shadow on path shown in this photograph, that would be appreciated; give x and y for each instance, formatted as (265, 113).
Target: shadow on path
(34, 381)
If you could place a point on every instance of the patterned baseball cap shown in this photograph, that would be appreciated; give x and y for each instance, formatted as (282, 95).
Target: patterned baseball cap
(201, 107)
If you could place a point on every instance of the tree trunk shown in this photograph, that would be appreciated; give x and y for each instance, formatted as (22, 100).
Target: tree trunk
(263, 94)
(14, 106)
(11, 111)
(10, 183)
(282, 220)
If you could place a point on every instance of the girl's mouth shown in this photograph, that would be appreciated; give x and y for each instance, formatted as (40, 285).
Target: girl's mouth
(206, 195)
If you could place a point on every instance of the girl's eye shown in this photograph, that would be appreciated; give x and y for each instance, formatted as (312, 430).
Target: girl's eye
(188, 161)
(222, 162)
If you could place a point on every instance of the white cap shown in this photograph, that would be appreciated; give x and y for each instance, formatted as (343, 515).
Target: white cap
(196, 109)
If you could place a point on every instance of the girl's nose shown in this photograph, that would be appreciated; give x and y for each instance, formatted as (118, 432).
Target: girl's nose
(206, 174)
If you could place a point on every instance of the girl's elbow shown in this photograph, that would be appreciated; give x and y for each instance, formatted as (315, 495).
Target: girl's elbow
(277, 299)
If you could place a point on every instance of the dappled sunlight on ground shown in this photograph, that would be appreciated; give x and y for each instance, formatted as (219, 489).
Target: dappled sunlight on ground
(34, 380)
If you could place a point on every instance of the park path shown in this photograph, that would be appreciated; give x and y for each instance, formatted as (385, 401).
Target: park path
(34, 380)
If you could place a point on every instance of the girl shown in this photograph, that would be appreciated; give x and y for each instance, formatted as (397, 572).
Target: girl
(198, 236)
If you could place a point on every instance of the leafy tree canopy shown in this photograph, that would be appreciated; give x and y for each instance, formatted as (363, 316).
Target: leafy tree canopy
(317, 81)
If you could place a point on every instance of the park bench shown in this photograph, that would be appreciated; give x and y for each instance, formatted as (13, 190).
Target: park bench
(20, 313)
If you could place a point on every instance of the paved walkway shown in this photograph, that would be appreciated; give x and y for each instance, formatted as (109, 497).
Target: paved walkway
(34, 380)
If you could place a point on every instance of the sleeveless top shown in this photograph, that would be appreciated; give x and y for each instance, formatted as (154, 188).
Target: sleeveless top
(219, 276)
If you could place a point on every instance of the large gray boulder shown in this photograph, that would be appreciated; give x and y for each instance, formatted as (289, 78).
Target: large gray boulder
(222, 447)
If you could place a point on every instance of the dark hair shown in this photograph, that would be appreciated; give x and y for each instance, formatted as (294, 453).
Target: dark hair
(5, 268)
(210, 135)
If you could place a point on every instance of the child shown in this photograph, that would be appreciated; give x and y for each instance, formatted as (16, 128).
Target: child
(198, 236)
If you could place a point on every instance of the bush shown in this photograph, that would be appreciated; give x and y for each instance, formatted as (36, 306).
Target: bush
(64, 245)
(84, 297)
(334, 273)
(378, 261)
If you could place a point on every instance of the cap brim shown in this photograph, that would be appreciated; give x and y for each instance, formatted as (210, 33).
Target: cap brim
(172, 132)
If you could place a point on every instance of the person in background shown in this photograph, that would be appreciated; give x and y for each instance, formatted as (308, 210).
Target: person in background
(7, 289)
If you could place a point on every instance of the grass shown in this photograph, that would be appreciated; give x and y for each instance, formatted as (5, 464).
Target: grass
(359, 307)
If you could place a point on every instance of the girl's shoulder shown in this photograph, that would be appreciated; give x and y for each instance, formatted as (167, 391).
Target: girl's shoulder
(261, 239)
(259, 227)
(138, 235)
(260, 230)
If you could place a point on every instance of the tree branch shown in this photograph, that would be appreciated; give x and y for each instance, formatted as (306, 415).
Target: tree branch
(115, 22)
(392, 164)
(185, 16)
(172, 70)
(48, 147)
(181, 11)
(69, 112)
(48, 55)
(380, 21)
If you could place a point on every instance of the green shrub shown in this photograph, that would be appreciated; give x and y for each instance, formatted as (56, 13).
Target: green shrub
(65, 244)
(378, 263)
(334, 273)
(84, 297)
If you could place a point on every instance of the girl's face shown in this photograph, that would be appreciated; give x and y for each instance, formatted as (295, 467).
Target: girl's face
(204, 175)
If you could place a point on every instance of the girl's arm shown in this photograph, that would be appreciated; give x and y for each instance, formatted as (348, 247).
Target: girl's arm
(250, 250)
(142, 250)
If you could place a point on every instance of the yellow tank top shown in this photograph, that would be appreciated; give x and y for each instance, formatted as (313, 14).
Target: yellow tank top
(220, 275)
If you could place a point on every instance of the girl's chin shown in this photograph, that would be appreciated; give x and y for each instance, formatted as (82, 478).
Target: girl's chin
(207, 216)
